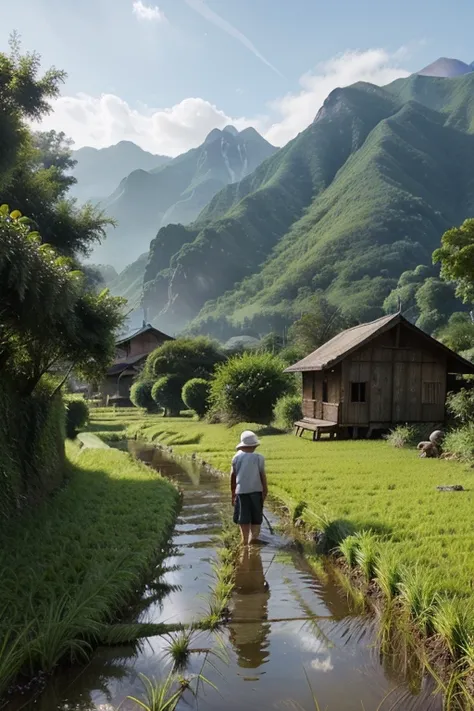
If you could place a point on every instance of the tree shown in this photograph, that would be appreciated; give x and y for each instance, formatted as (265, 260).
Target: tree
(456, 256)
(186, 357)
(48, 317)
(196, 395)
(140, 395)
(166, 393)
(23, 95)
(322, 322)
(458, 334)
(246, 388)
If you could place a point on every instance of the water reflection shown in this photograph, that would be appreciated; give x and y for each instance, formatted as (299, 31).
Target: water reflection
(249, 631)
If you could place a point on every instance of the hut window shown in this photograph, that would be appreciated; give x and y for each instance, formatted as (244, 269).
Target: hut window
(325, 390)
(358, 392)
(431, 393)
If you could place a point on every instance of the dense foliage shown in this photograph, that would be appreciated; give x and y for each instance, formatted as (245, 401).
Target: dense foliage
(166, 393)
(247, 387)
(359, 197)
(196, 395)
(456, 256)
(140, 395)
(186, 357)
(51, 322)
(288, 410)
(77, 414)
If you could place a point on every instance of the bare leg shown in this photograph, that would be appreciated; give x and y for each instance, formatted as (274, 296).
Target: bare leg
(245, 533)
(255, 532)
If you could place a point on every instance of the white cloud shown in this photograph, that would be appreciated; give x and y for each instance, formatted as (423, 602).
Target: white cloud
(148, 13)
(101, 121)
(298, 110)
(208, 14)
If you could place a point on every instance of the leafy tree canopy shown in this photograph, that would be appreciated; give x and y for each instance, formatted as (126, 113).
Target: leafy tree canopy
(185, 357)
(456, 256)
(322, 322)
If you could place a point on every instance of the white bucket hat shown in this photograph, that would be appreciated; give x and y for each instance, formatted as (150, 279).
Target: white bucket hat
(248, 439)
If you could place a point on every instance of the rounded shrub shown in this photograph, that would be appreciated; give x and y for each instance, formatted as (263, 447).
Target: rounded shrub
(196, 394)
(140, 395)
(288, 410)
(77, 414)
(247, 387)
(166, 393)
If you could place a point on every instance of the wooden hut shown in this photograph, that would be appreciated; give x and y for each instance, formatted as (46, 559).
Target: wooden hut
(375, 376)
(131, 354)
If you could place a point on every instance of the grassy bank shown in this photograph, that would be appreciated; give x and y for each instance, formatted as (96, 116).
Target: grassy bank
(421, 541)
(72, 566)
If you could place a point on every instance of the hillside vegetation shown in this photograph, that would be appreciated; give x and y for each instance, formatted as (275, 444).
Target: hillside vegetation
(361, 196)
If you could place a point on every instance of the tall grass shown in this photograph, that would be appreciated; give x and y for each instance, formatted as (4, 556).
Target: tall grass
(418, 596)
(388, 573)
(453, 620)
(71, 567)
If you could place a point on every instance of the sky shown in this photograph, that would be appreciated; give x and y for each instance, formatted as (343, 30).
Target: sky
(163, 73)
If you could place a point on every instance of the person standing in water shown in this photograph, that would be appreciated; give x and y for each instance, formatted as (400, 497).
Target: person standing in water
(248, 483)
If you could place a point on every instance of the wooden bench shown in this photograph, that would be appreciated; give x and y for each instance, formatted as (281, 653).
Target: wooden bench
(317, 427)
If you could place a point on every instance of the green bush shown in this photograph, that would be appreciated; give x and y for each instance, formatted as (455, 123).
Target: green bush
(185, 357)
(288, 411)
(247, 387)
(77, 414)
(196, 394)
(166, 393)
(140, 395)
(406, 436)
(460, 443)
(461, 405)
(32, 431)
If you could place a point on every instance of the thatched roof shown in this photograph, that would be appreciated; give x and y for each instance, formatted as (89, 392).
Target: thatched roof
(348, 341)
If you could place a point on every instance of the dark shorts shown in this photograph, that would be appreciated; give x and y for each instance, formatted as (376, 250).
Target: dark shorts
(248, 509)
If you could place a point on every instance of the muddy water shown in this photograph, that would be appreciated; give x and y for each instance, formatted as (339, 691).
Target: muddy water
(288, 632)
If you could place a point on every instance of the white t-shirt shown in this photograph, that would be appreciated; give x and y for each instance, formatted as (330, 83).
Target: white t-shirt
(248, 467)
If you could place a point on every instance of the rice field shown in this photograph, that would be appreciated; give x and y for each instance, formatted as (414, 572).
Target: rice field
(361, 485)
(70, 567)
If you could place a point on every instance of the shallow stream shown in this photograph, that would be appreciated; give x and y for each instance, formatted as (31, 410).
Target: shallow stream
(290, 634)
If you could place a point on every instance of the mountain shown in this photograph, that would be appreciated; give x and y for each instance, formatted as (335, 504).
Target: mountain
(99, 170)
(178, 191)
(359, 197)
(447, 68)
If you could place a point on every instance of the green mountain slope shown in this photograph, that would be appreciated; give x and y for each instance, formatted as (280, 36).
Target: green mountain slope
(177, 192)
(360, 196)
(99, 170)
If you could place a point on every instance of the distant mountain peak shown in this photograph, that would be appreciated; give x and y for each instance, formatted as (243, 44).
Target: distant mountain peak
(231, 129)
(447, 68)
(213, 135)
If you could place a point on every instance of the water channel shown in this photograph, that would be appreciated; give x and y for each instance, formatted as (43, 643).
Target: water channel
(288, 631)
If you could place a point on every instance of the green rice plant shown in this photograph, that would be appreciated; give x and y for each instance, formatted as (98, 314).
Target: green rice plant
(355, 596)
(160, 695)
(178, 647)
(366, 553)
(348, 548)
(418, 595)
(14, 654)
(388, 573)
(453, 620)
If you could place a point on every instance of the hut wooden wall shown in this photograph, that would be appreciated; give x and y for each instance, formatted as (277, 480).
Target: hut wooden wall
(405, 381)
